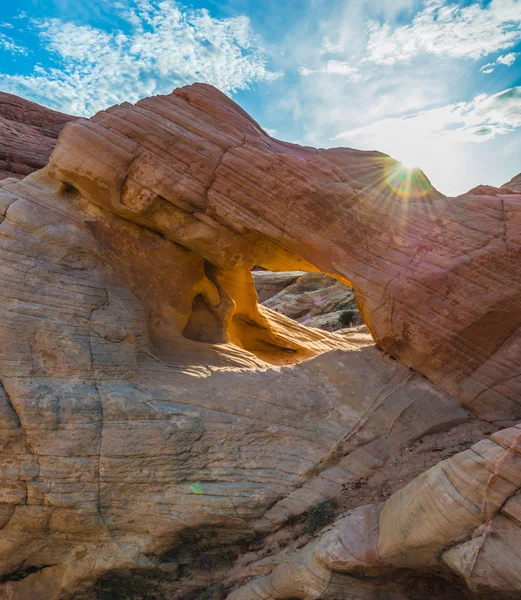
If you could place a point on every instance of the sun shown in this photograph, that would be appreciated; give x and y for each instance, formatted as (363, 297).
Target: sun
(406, 180)
(408, 165)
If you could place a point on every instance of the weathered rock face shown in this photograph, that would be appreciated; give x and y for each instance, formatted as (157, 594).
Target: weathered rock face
(28, 134)
(151, 411)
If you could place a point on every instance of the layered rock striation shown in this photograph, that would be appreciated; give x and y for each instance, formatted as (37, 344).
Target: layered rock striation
(28, 134)
(435, 279)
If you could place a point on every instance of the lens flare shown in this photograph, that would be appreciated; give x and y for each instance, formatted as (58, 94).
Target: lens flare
(196, 488)
(407, 182)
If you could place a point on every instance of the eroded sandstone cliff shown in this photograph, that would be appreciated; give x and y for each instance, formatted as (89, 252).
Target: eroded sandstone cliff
(156, 418)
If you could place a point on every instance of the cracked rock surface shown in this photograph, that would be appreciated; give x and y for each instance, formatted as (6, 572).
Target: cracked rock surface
(154, 417)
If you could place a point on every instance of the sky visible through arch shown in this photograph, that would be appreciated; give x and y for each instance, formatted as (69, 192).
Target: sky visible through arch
(434, 83)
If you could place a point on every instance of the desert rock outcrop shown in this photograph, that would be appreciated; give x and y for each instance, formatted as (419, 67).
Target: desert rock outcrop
(150, 408)
(28, 134)
(269, 284)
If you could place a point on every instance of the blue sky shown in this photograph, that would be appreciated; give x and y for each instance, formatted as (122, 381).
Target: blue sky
(435, 83)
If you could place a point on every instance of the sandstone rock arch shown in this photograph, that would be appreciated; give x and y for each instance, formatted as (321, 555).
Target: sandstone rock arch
(146, 398)
(197, 169)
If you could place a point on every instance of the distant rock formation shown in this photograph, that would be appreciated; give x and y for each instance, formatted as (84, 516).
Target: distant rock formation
(160, 429)
(28, 134)
(514, 184)
(313, 299)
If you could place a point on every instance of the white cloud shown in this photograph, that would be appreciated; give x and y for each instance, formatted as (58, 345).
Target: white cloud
(328, 47)
(442, 29)
(6, 25)
(336, 67)
(167, 46)
(505, 59)
(340, 68)
(481, 119)
(9, 45)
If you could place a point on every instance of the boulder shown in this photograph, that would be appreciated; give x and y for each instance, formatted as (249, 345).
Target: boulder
(269, 284)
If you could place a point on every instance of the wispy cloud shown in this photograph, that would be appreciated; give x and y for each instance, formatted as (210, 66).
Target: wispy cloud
(447, 29)
(329, 47)
(9, 45)
(481, 119)
(378, 49)
(389, 10)
(167, 46)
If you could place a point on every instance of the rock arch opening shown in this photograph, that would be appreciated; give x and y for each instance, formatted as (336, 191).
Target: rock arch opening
(310, 298)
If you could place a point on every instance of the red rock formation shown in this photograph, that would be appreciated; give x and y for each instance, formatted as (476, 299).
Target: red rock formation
(151, 408)
(28, 134)
(436, 279)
